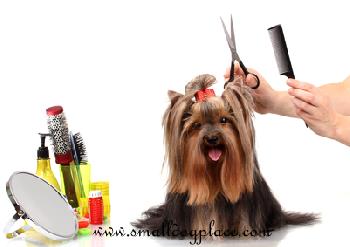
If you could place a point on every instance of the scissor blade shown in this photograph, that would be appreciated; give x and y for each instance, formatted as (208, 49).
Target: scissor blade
(228, 38)
(230, 42)
(233, 35)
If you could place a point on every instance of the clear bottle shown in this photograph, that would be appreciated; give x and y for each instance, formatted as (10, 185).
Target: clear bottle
(43, 168)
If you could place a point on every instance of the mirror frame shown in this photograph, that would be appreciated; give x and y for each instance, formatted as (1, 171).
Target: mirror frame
(20, 212)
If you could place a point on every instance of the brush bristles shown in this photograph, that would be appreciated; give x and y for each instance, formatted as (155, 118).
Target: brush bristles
(80, 148)
(58, 128)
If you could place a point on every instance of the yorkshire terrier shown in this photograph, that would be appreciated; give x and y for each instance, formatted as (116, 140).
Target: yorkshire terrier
(214, 176)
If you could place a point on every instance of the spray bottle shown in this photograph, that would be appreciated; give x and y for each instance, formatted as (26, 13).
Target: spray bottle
(43, 168)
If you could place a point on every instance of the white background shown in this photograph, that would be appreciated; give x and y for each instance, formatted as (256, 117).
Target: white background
(110, 64)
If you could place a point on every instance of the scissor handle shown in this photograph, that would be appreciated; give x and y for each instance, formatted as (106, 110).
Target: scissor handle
(257, 81)
(232, 72)
(245, 71)
(244, 68)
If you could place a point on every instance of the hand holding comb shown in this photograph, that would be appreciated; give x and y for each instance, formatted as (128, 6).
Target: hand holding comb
(281, 52)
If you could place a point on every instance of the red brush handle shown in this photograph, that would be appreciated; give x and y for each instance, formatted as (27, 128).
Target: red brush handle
(54, 110)
(63, 159)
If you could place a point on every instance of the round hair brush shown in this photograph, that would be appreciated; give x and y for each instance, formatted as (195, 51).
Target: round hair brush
(83, 170)
(81, 163)
(58, 128)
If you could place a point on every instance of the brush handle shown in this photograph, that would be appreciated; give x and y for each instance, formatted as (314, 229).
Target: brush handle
(232, 70)
(80, 181)
(68, 186)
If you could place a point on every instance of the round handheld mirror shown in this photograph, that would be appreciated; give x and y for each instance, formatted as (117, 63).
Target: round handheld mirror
(41, 206)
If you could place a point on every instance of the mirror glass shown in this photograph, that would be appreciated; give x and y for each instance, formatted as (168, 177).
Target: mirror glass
(43, 205)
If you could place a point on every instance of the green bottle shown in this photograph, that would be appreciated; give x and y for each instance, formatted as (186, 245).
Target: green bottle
(43, 168)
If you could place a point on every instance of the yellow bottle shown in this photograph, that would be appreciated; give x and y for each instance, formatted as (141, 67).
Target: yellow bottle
(43, 168)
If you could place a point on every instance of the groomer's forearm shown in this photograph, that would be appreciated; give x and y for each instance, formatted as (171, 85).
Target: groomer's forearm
(342, 133)
(339, 93)
(283, 105)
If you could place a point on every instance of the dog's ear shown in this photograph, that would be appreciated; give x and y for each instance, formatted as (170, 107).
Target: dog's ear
(174, 97)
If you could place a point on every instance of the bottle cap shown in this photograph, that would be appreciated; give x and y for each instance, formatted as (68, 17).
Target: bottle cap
(83, 223)
(84, 231)
(95, 194)
(43, 151)
(103, 186)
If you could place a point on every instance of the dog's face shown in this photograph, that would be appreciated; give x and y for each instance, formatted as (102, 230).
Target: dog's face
(210, 143)
(207, 128)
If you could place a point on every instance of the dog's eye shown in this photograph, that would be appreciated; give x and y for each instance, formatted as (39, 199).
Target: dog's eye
(196, 125)
(223, 120)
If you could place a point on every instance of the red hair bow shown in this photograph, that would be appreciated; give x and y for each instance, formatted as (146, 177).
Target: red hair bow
(203, 94)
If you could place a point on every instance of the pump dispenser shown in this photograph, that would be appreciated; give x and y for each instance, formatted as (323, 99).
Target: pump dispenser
(43, 168)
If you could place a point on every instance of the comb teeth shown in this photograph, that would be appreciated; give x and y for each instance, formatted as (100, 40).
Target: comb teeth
(80, 148)
(58, 128)
(281, 51)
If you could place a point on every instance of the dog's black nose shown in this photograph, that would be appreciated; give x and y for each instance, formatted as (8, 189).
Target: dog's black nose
(211, 140)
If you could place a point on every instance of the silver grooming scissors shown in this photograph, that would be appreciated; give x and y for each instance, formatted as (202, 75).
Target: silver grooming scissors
(235, 57)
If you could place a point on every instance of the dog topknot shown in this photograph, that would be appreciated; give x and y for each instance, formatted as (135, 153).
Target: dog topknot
(199, 83)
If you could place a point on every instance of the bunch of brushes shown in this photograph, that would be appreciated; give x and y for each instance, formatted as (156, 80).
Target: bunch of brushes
(70, 153)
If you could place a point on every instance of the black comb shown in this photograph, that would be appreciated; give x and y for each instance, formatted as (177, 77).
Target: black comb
(281, 51)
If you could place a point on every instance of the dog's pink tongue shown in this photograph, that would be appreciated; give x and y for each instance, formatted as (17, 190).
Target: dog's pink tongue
(215, 154)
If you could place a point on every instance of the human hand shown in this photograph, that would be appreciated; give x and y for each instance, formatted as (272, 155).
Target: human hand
(264, 96)
(314, 108)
